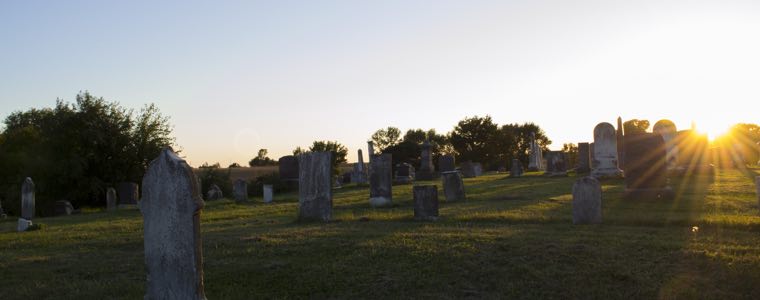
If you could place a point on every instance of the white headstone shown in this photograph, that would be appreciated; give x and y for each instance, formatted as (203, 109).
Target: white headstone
(605, 162)
(268, 193)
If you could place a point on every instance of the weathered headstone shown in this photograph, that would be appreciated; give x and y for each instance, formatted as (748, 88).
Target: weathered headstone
(171, 206)
(427, 170)
(587, 201)
(370, 150)
(446, 163)
(128, 192)
(667, 129)
(111, 200)
(555, 164)
(453, 186)
(583, 158)
(535, 162)
(240, 190)
(314, 187)
(591, 156)
(63, 208)
(620, 138)
(517, 168)
(381, 181)
(605, 152)
(646, 170)
(27, 204)
(468, 169)
(214, 193)
(404, 173)
(477, 168)
(425, 202)
(268, 193)
(288, 166)
(359, 174)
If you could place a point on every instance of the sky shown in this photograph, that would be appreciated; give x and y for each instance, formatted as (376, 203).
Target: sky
(237, 76)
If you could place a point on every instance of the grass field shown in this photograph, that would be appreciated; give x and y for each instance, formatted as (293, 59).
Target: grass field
(513, 238)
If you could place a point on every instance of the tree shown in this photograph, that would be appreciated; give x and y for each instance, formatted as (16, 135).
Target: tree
(571, 154)
(261, 159)
(474, 140)
(743, 139)
(234, 165)
(339, 152)
(635, 126)
(385, 138)
(298, 151)
(518, 139)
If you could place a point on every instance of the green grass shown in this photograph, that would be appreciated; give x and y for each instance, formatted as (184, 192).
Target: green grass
(513, 238)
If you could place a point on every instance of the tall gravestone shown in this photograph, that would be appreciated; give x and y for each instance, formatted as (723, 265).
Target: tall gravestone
(453, 186)
(171, 206)
(111, 200)
(315, 186)
(587, 201)
(370, 150)
(646, 167)
(427, 170)
(381, 181)
(425, 202)
(240, 190)
(555, 164)
(583, 158)
(27, 204)
(667, 130)
(620, 138)
(447, 163)
(404, 173)
(591, 156)
(359, 173)
(288, 167)
(268, 191)
(605, 152)
(517, 168)
(536, 158)
(128, 192)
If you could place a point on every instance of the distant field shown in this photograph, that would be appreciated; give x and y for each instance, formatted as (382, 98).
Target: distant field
(512, 238)
(251, 173)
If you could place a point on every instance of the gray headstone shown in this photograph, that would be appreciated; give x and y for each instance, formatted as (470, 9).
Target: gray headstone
(214, 193)
(404, 173)
(268, 193)
(288, 166)
(587, 201)
(171, 206)
(240, 190)
(128, 192)
(427, 170)
(314, 186)
(425, 202)
(605, 152)
(584, 158)
(63, 208)
(535, 160)
(370, 150)
(477, 168)
(111, 200)
(468, 169)
(447, 163)
(453, 186)
(646, 174)
(381, 181)
(667, 129)
(555, 164)
(27, 199)
(359, 173)
(517, 168)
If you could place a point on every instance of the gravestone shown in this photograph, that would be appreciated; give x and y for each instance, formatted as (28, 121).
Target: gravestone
(646, 167)
(214, 193)
(468, 169)
(620, 139)
(591, 156)
(667, 130)
(447, 163)
(477, 168)
(555, 164)
(268, 193)
(426, 171)
(240, 190)
(111, 200)
(288, 166)
(171, 206)
(693, 158)
(314, 186)
(370, 150)
(63, 208)
(425, 202)
(583, 158)
(587, 201)
(517, 168)
(453, 186)
(27, 205)
(128, 192)
(404, 173)
(359, 173)
(535, 161)
(605, 152)
(381, 181)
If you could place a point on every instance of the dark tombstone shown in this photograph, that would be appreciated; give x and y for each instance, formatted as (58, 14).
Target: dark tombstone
(381, 180)
(111, 200)
(315, 186)
(517, 168)
(214, 193)
(468, 169)
(453, 186)
(128, 192)
(359, 173)
(288, 166)
(583, 158)
(646, 167)
(425, 202)
(555, 164)
(240, 190)
(447, 163)
(404, 173)
(587, 201)
(27, 205)
(63, 208)
(171, 206)
(427, 170)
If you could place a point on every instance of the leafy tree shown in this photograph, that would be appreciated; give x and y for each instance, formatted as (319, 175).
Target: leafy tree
(410, 147)
(234, 165)
(474, 139)
(339, 152)
(518, 139)
(571, 154)
(635, 126)
(744, 139)
(261, 159)
(385, 138)
(298, 151)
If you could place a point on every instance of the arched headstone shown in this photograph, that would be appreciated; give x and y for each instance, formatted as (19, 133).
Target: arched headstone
(605, 152)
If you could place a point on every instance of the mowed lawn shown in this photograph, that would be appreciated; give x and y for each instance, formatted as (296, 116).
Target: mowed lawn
(512, 238)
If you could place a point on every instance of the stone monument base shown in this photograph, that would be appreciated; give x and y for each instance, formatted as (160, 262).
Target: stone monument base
(24, 224)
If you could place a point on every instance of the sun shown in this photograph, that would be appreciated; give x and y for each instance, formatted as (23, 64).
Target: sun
(713, 131)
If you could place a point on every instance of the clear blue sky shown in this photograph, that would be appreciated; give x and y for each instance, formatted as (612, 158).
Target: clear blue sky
(239, 76)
